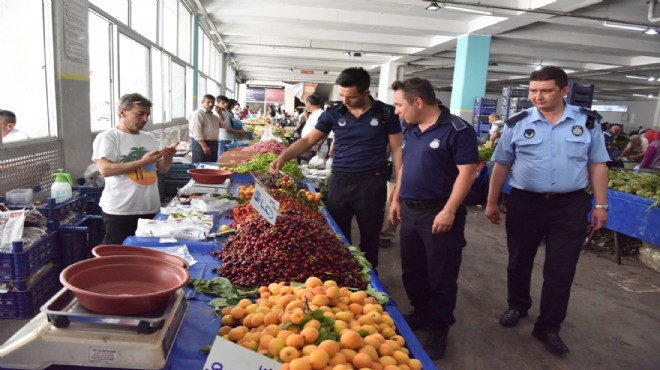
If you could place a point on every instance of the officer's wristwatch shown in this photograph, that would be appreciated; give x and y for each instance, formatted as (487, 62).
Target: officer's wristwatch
(604, 207)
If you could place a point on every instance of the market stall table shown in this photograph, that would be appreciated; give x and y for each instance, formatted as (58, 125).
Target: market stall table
(200, 324)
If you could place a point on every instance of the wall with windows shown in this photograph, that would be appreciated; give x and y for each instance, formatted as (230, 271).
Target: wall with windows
(71, 61)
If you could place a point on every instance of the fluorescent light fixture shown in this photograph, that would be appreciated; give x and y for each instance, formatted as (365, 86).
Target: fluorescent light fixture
(651, 79)
(468, 10)
(433, 6)
(650, 96)
(347, 53)
(637, 77)
(288, 48)
(624, 26)
(538, 67)
(649, 31)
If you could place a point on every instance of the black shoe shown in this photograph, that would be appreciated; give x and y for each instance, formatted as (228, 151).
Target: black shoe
(384, 243)
(436, 346)
(417, 319)
(552, 342)
(511, 317)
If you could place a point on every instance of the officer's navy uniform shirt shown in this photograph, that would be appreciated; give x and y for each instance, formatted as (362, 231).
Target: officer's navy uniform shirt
(360, 142)
(548, 158)
(430, 157)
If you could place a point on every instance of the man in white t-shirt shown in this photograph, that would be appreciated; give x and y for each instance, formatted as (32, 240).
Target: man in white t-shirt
(313, 105)
(128, 158)
(496, 128)
(8, 125)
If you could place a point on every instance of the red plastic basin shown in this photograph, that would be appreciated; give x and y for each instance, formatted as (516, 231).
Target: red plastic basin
(209, 176)
(123, 285)
(127, 250)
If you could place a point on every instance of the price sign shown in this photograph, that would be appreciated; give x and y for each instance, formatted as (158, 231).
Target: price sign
(226, 355)
(265, 205)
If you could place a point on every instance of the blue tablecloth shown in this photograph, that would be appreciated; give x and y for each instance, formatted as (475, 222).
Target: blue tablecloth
(630, 215)
(200, 324)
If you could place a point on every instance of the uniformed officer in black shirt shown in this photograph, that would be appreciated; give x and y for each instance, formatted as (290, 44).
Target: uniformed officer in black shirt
(439, 166)
(357, 187)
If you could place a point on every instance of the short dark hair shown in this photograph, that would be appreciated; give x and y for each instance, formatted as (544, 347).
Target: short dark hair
(232, 102)
(208, 97)
(222, 98)
(416, 87)
(8, 116)
(548, 73)
(313, 100)
(354, 76)
(126, 102)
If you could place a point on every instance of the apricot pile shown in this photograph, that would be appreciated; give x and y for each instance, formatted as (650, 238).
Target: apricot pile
(317, 325)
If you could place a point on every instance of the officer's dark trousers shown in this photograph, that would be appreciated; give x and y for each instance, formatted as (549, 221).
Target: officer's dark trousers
(430, 262)
(363, 196)
(562, 221)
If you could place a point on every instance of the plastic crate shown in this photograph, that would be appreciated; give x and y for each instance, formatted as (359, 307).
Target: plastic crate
(76, 241)
(179, 171)
(22, 304)
(93, 194)
(53, 210)
(21, 263)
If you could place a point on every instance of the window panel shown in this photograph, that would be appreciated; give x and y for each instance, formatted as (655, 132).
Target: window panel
(170, 38)
(166, 62)
(116, 8)
(144, 18)
(201, 82)
(133, 67)
(157, 115)
(184, 33)
(100, 72)
(178, 91)
(23, 66)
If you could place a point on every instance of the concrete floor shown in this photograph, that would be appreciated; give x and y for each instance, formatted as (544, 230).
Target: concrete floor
(612, 323)
(612, 318)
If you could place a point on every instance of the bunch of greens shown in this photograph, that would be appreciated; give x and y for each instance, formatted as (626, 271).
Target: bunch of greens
(228, 294)
(646, 185)
(485, 153)
(261, 163)
(365, 265)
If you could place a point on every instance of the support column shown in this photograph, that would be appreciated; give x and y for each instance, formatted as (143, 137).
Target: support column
(388, 74)
(470, 73)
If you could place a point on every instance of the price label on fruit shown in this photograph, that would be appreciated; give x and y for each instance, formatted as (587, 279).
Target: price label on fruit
(226, 355)
(264, 203)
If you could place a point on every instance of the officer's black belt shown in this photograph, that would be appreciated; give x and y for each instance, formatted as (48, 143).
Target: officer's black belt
(424, 203)
(381, 172)
(550, 195)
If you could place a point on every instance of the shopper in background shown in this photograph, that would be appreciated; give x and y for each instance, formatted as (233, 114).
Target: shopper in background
(496, 128)
(235, 108)
(8, 125)
(204, 132)
(302, 121)
(128, 159)
(651, 156)
(554, 152)
(633, 151)
(439, 166)
(227, 133)
(357, 187)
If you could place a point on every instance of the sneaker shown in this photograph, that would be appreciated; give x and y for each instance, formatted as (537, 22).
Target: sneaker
(384, 243)
(436, 346)
(417, 319)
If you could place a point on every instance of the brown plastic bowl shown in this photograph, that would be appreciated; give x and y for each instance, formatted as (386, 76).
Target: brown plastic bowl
(123, 285)
(209, 175)
(127, 250)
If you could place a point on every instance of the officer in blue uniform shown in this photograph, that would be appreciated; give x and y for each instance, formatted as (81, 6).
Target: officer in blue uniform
(439, 166)
(553, 151)
(357, 187)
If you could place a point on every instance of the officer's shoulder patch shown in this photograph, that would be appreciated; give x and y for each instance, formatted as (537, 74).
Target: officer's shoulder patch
(590, 113)
(458, 123)
(516, 118)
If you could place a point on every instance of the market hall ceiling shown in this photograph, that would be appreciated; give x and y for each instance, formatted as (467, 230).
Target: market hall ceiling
(302, 40)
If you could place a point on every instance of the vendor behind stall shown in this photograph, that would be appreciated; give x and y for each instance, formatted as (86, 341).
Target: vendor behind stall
(633, 151)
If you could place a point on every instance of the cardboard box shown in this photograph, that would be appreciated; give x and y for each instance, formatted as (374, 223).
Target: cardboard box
(235, 157)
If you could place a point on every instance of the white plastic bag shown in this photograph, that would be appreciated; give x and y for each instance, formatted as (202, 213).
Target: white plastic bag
(317, 162)
(267, 134)
(11, 229)
(328, 164)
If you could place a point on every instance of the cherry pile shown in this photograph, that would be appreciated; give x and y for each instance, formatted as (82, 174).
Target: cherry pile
(289, 205)
(292, 250)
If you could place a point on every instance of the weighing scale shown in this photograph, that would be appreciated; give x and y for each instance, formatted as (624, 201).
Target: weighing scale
(65, 333)
(193, 187)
